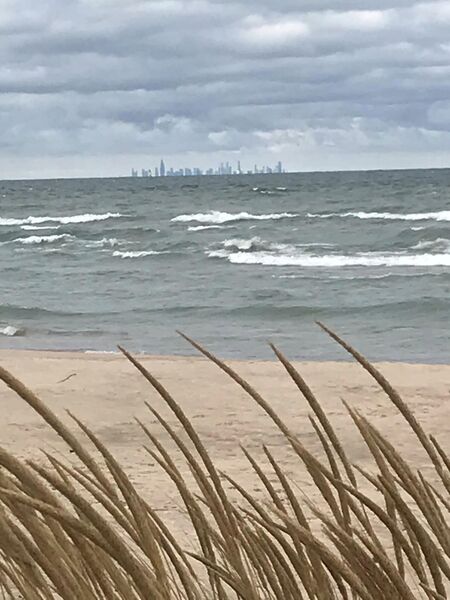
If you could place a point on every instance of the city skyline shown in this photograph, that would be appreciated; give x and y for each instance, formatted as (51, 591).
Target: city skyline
(224, 168)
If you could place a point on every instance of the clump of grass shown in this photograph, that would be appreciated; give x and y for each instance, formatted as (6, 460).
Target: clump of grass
(83, 532)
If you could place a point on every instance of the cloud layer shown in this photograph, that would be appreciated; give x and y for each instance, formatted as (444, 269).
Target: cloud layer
(95, 86)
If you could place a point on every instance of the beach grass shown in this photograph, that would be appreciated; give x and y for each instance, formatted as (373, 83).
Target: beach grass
(81, 530)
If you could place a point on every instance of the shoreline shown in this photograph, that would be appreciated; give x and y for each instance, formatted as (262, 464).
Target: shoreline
(43, 353)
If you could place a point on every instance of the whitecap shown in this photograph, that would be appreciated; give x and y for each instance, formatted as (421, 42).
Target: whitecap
(108, 242)
(38, 228)
(258, 243)
(242, 244)
(336, 260)
(11, 331)
(83, 218)
(442, 215)
(43, 239)
(204, 227)
(438, 244)
(215, 216)
(137, 253)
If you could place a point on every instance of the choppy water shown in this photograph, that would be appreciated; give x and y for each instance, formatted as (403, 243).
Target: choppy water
(234, 262)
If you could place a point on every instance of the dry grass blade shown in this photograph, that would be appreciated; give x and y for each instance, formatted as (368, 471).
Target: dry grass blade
(318, 411)
(398, 402)
(55, 423)
(224, 512)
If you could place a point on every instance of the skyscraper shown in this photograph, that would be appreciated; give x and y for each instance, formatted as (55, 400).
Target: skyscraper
(162, 168)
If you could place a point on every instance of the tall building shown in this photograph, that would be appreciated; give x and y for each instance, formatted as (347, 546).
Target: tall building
(162, 168)
(156, 172)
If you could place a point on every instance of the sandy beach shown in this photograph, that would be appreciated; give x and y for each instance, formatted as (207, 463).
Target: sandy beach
(107, 393)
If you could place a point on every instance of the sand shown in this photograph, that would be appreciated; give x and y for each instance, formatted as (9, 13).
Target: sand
(107, 393)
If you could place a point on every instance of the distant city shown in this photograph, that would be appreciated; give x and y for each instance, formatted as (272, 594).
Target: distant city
(222, 169)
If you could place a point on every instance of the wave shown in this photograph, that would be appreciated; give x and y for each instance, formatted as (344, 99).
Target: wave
(264, 190)
(363, 277)
(137, 253)
(215, 216)
(43, 239)
(11, 331)
(279, 311)
(104, 242)
(256, 243)
(12, 312)
(243, 244)
(335, 260)
(438, 245)
(38, 228)
(204, 227)
(84, 218)
(442, 215)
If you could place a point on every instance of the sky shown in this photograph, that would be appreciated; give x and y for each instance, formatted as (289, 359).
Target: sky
(96, 87)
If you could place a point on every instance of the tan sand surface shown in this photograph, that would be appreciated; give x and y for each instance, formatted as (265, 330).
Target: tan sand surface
(107, 393)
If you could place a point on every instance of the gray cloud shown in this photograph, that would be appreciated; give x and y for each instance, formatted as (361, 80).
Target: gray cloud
(365, 85)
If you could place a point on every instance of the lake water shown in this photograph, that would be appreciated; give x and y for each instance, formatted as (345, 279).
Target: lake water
(232, 261)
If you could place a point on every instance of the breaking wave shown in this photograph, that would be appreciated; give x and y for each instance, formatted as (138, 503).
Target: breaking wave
(204, 227)
(215, 216)
(104, 242)
(137, 253)
(10, 331)
(256, 243)
(442, 215)
(38, 228)
(336, 260)
(437, 245)
(84, 218)
(43, 239)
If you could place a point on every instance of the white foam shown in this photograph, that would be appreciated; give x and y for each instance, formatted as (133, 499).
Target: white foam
(43, 239)
(108, 242)
(438, 244)
(352, 277)
(215, 216)
(218, 254)
(136, 254)
(255, 242)
(101, 352)
(204, 227)
(242, 244)
(37, 228)
(442, 215)
(336, 260)
(417, 228)
(84, 218)
(11, 331)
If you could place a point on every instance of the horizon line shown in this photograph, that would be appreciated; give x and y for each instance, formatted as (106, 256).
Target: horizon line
(177, 178)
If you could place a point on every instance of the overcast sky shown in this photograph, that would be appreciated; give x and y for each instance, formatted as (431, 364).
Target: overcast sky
(94, 87)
